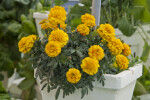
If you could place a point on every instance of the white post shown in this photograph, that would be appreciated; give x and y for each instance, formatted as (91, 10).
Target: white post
(52, 3)
(96, 8)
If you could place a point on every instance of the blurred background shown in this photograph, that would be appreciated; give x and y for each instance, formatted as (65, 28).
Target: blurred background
(131, 19)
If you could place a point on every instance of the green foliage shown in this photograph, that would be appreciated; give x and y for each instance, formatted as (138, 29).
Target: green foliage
(60, 2)
(16, 21)
(139, 89)
(146, 52)
(143, 83)
(73, 17)
(27, 85)
(10, 28)
(125, 26)
(86, 2)
(3, 94)
(145, 13)
(124, 17)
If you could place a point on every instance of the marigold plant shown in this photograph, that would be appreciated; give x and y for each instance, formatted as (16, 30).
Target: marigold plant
(71, 60)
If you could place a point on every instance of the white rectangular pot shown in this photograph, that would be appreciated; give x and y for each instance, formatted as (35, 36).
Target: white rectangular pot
(117, 87)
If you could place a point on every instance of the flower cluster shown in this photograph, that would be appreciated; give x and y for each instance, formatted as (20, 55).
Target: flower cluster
(26, 43)
(70, 60)
(56, 17)
(88, 20)
(56, 40)
(115, 46)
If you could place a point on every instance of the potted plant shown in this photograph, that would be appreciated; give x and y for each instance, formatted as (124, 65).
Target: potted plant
(67, 62)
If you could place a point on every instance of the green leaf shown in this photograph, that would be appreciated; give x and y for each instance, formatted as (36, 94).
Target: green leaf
(39, 6)
(145, 71)
(4, 96)
(8, 4)
(55, 65)
(83, 92)
(28, 27)
(23, 17)
(75, 22)
(86, 2)
(125, 27)
(79, 53)
(1, 77)
(146, 51)
(137, 12)
(72, 51)
(48, 88)
(25, 2)
(26, 84)
(14, 27)
(147, 83)
(146, 13)
(2, 89)
(57, 93)
(148, 31)
(44, 86)
(139, 89)
(60, 2)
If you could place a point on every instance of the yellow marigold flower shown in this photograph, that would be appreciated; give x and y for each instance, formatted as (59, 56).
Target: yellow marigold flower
(25, 44)
(58, 13)
(46, 26)
(126, 50)
(115, 46)
(96, 52)
(44, 21)
(73, 75)
(33, 37)
(54, 24)
(83, 29)
(115, 64)
(122, 61)
(88, 20)
(90, 65)
(106, 31)
(63, 25)
(59, 36)
(52, 49)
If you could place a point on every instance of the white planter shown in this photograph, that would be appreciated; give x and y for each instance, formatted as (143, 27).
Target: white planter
(117, 87)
